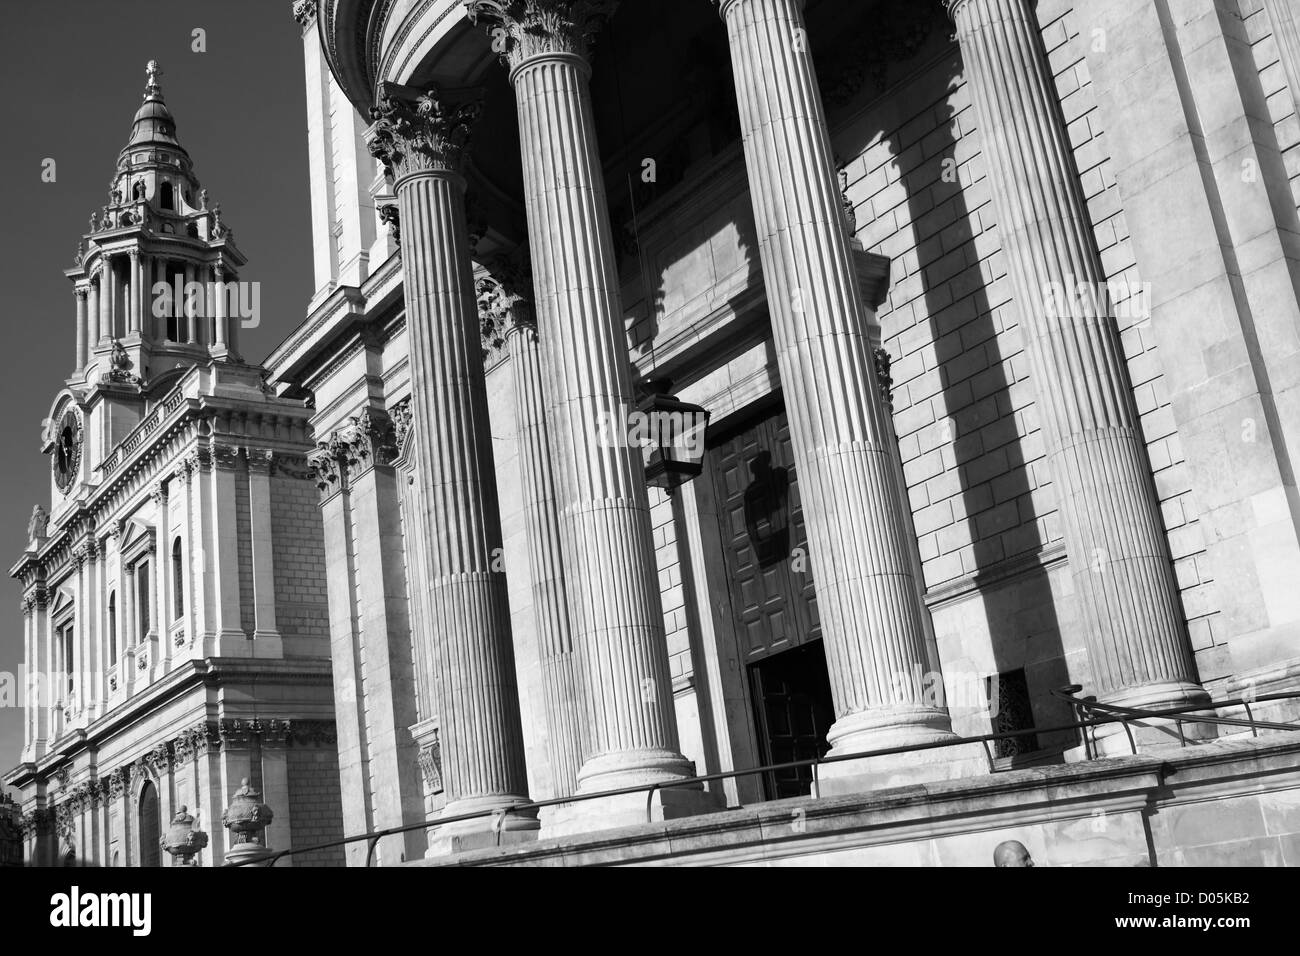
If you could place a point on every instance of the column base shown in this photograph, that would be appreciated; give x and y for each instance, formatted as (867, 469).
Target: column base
(618, 771)
(884, 728)
(498, 829)
(901, 770)
(627, 810)
(1111, 740)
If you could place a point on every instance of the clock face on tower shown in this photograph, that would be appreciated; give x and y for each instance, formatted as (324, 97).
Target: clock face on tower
(67, 450)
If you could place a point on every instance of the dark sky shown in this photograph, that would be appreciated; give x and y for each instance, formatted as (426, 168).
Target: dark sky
(73, 78)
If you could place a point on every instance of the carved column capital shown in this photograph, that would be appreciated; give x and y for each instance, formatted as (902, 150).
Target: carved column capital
(524, 29)
(260, 460)
(414, 135)
(225, 457)
(116, 784)
(324, 462)
(401, 416)
(304, 11)
(197, 462)
(368, 440)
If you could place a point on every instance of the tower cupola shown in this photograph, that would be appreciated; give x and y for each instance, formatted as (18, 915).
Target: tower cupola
(153, 275)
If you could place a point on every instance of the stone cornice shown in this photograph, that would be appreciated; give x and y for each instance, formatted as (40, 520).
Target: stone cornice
(421, 133)
(522, 30)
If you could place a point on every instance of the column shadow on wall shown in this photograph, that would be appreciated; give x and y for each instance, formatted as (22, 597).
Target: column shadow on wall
(1008, 579)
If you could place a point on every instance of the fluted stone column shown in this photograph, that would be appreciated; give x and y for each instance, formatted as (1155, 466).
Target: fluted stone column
(509, 308)
(107, 300)
(613, 588)
(219, 308)
(80, 294)
(422, 143)
(136, 303)
(873, 621)
(1285, 21)
(92, 312)
(1119, 558)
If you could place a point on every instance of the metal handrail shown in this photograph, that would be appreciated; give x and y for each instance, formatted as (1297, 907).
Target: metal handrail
(1112, 714)
(1086, 705)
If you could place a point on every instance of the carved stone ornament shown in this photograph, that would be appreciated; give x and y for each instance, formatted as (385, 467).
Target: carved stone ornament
(390, 217)
(431, 765)
(120, 366)
(38, 527)
(304, 11)
(504, 301)
(426, 133)
(225, 457)
(116, 784)
(324, 462)
(884, 379)
(401, 416)
(523, 29)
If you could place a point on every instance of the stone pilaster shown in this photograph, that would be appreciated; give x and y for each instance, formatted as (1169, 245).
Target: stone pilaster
(224, 477)
(266, 632)
(613, 589)
(1119, 559)
(422, 142)
(873, 621)
(508, 307)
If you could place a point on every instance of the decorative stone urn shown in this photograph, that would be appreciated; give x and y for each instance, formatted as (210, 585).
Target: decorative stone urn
(182, 841)
(247, 818)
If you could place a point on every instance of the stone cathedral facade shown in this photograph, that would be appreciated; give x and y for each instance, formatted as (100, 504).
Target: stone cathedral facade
(991, 305)
(174, 616)
(991, 308)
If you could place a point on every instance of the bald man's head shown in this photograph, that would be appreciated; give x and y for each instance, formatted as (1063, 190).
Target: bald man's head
(1012, 853)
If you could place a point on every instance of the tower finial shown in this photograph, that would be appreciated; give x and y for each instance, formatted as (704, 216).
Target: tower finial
(152, 88)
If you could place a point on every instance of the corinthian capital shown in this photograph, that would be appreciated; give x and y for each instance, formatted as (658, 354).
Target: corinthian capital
(304, 11)
(424, 133)
(523, 29)
(505, 300)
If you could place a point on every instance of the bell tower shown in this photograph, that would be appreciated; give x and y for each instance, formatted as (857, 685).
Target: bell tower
(158, 229)
(157, 291)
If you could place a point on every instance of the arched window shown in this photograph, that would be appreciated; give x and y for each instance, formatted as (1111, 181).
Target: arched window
(112, 628)
(178, 579)
(137, 191)
(150, 826)
(167, 197)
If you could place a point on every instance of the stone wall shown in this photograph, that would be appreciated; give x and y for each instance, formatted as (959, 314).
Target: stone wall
(301, 609)
(313, 774)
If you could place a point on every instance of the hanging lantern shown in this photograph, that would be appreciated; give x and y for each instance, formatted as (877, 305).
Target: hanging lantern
(671, 433)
